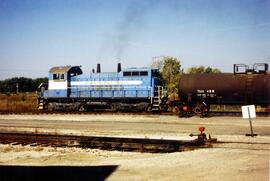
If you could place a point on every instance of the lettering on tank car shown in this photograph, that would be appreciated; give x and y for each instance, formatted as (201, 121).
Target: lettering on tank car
(235, 94)
(200, 91)
(206, 93)
(212, 95)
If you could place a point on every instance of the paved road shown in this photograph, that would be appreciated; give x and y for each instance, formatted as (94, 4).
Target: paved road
(244, 158)
(134, 125)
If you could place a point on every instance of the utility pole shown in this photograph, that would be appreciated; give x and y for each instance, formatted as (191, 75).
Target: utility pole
(17, 87)
(158, 58)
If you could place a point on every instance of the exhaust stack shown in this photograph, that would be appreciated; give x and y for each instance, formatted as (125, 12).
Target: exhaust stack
(98, 68)
(119, 67)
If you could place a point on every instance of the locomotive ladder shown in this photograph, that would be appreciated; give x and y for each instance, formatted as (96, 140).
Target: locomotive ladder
(249, 89)
(156, 100)
(40, 104)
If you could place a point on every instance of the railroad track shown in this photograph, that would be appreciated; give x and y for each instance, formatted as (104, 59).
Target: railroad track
(210, 114)
(106, 143)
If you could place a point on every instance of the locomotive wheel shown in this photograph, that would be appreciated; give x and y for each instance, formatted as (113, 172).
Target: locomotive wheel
(114, 107)
(50, 107)
(82, 108)
(149, 108)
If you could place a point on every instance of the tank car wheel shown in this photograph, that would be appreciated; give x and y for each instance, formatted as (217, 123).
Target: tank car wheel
(197, 109)
(182, 114)
(183, 111)
(201, 109)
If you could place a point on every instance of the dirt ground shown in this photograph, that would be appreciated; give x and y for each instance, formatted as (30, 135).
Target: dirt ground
(245, 158)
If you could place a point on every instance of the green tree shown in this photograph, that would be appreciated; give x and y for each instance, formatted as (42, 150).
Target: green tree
(170, 68)
(24, 84)
(38, 81)
(196, 70)
(202, 70)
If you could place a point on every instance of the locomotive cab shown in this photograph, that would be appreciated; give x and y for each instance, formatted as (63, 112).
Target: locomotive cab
(59, 80)
(58, 85)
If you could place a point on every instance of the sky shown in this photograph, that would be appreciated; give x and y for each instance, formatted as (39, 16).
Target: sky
(37, 35)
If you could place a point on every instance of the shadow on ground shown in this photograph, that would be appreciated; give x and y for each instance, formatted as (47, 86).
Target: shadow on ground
(59, 173)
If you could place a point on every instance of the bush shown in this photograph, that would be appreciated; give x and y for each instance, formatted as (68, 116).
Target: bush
(22, 84)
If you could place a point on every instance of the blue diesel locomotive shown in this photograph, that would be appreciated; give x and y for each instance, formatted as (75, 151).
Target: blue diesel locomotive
(137, 89)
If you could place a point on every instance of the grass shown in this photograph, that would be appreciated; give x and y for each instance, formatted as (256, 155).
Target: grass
(235, 108)
(24, 102)
(7, 149)
(21, 102)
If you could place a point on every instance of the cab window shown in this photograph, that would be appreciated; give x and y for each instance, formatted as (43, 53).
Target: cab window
(127, 73)
(144, 73)
(135, 73)
(58, 76)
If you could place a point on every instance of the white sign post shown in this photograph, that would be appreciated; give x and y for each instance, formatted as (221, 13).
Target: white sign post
(249, 112)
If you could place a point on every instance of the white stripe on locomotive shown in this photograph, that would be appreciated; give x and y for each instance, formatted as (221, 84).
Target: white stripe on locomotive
(120, 82)
(57, 85)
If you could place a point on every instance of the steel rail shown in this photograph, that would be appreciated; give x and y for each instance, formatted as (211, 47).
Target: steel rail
(210, 114)
(101, 142)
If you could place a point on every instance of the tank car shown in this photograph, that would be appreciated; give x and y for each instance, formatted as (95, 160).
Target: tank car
(242, 87)
(129, 89)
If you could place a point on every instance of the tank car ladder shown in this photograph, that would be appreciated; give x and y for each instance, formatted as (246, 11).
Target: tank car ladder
(249, 88)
